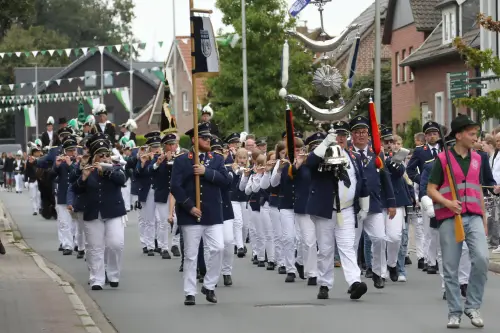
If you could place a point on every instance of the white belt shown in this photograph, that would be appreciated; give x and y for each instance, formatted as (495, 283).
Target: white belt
(347, 204)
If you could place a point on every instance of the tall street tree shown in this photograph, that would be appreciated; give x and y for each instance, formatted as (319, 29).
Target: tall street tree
(266, 23)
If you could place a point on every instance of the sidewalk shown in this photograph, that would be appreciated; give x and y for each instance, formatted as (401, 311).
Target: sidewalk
(31, 301)
(494, 262)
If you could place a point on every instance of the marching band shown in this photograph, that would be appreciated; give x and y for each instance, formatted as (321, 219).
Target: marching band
(296, 215)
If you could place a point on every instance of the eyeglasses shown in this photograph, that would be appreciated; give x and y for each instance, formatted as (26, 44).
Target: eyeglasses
(104, 155)
(360, 133)
(205, 138)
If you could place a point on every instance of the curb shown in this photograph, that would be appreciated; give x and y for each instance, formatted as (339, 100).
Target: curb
(494, 267)
(77, 303)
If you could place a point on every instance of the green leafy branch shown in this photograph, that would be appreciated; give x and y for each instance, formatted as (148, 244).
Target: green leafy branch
(489, 105)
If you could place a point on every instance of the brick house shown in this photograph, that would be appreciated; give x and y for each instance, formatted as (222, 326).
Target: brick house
(420, 77)
(181, 95)
(365, 60)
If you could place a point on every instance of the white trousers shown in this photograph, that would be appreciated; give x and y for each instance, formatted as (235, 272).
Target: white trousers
(275, 215)
(238, 210)
(329, 233)
(310, 252)
(34, 196)
(393, 232)
(287, 219)
(259, 242)
(374, 225)
(176, 238)
(104, 238)
(228, 255)
(19, 182)
(213, 238)
(64, 227)
(126, 195)
(431, 241)
(163, 226)
(80, 231)
(299, 244)
(265, 217)
(248, 228)
(147, 221)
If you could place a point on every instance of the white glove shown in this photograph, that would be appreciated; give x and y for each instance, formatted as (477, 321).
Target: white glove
(427, 206)
(364, 204)
(330, 139)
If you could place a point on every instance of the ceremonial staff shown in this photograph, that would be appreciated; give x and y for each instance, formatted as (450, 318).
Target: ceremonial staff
(205, 60)
(459, 227)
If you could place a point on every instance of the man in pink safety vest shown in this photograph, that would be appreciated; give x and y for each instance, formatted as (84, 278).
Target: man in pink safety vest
(466, 167)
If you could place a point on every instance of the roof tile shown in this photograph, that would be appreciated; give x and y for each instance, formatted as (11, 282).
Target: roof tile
(425, 15)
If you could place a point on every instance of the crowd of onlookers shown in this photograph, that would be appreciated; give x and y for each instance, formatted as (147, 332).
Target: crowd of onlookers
(8, 167)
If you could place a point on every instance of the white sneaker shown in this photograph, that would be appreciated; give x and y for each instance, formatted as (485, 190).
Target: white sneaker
(475, 317)
(453, 322)
(401, 278)
(497, 250)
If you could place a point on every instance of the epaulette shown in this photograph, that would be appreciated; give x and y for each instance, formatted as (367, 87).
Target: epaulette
(180, 154)
(418, 146)
(429, 161)
(355, 152)
(216, 152)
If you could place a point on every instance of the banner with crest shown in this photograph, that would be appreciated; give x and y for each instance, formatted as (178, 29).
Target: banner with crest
(205, 53)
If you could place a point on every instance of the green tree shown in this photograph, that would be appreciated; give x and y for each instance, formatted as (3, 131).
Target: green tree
(266, 22)
(19, 12)
(413, 126)
(367, 81)
(487, 106)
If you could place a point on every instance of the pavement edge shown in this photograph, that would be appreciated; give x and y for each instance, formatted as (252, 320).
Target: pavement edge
(494, 267)
(78, 297)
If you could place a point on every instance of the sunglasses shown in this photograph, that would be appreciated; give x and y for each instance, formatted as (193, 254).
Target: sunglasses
(104, 155)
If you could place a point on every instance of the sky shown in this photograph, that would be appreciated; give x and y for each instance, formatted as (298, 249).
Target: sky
(154, 20)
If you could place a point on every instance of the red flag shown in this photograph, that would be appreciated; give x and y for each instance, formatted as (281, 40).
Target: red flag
(377, 149)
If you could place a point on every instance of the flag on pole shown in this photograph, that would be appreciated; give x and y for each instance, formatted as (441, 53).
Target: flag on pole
(124, 98)
(205, 54)
(29, 116)
(298, 6)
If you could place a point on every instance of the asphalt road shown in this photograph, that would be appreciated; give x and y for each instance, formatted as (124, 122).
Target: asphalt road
(150, 297)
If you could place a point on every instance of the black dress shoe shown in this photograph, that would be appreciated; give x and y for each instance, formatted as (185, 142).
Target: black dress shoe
(300, 271)
(175, 251)
(165, 255)
(393, 273)
(378, 282)
(80, 255)
(247, 240)
(369, 273)
(421, 263)
(261, 264)
(425, 268)
(463, 290)
(67, 252)
(312, 281)
(35, 213)
(189, 300)
(96, 287)
(157, 250)
(407, 261)
(282, 270)
(227, 280)
(290, 277)
(235, 249)
(241, 252)
(349, 290)
(145, 250)
(210, 296)
(75, 249)
(114, 284)
(270, 266)
(255, 261)
(151, 253)
(432, 269)
(245, 249)
(2, 248)
(323, 292)
(61, 248)
(358, 289)
(181, 268)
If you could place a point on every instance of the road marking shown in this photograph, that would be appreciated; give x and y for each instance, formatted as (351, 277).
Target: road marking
(80, 310)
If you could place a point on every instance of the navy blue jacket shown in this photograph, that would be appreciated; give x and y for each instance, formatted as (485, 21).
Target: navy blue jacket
(274, 192)
(415, 166)
(144, 179)
(102, 194)
(236, 194)
(486, 173)
(227, 206)
(302, 179)
(49, 159)
(73, 199)
(254, 198)
(399, 184)
(183, 189)
(321, 192)
(161, 179)
(130, 170)
(61, 174)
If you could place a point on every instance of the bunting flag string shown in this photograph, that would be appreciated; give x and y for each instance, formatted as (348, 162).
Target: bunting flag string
(56, 97)
(77, 51)
(157, 71)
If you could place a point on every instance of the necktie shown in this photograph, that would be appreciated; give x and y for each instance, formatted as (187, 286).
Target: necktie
(434, 152)
(364, 160)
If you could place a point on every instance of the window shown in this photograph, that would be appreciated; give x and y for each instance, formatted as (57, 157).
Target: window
(449, 25)
(470, 9)
(185, 102)
(90, 79)
(409, 68)
(403, 56)
(108, 79)
(398, 69)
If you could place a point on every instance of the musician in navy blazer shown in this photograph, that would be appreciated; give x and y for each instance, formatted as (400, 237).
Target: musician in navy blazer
(207, 221)
(424, 153)
(335, 226)
(61, 170)
(100, 184)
